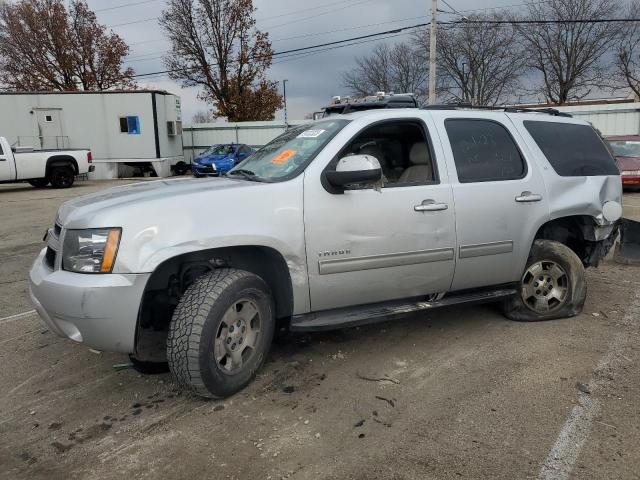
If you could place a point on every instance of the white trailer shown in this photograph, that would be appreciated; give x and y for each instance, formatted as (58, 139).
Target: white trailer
(123, 129)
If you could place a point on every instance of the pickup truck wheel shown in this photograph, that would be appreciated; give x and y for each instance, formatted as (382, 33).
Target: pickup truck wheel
(221, 332)
(62, 177)
(39, 182)
(552, 286)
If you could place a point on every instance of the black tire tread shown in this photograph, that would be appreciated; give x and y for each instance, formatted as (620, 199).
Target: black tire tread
(515, 309)
(185, 330)
(56, 184)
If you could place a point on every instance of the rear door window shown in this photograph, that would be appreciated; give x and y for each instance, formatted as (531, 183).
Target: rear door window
(484, 151)
(572, 150)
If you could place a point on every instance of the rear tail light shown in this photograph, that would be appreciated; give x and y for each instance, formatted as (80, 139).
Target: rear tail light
(89, 157)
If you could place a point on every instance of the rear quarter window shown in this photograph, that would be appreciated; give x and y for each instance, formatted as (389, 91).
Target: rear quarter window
(484, 151)
(572, 150)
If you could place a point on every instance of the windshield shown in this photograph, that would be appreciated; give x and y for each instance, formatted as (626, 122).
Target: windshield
(625, 148)
(219, 150)
(285, 156)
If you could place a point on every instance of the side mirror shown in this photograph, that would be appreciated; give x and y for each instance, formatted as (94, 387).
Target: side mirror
(355, 170)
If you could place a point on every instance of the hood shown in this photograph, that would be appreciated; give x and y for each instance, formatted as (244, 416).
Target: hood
(628, 163)
(207, 159)
(177, 192)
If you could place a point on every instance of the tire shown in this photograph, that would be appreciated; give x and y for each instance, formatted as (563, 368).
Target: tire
(562, 289)
(180, 168)
(39, 182)
(62, 177)
(205, 328)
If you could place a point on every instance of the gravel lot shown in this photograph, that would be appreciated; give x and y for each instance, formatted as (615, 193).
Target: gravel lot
(457, 393)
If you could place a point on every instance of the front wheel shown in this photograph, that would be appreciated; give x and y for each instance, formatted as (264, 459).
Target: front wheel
(62, 177)
(221, 332)
(552, 286)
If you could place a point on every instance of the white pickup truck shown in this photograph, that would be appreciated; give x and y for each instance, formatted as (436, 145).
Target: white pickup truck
(43, 167)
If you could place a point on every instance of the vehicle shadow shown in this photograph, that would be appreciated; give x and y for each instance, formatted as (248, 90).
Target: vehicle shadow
(13, 188)
(289, 345)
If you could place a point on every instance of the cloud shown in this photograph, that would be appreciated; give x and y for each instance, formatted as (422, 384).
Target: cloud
(313, 79)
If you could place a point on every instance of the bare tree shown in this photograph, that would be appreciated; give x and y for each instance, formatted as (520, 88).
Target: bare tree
(215, 46)
(478, 63)
(44, 46)
(390, 69)
(570, 56)
(202, 116)
(628, 52)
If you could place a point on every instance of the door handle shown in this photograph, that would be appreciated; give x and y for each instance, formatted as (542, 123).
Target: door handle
(430, 206)
(528, 197)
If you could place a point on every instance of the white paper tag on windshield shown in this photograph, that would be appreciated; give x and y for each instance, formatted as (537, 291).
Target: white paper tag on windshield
(311, 134)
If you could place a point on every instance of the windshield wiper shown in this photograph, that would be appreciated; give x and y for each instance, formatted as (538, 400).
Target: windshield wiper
(248, 174)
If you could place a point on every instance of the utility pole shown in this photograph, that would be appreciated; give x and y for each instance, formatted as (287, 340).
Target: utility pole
(432, 52)
(284, 88)
(464, 82)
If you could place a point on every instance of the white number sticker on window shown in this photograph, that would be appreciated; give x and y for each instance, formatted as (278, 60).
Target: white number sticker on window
(311, 134)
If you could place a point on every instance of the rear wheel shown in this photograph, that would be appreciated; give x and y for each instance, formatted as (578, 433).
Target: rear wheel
(62, 177)
(552, 286)
(221, 332)
(39, 182)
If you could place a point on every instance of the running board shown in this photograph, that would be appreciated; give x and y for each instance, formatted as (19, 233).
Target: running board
(380, 312)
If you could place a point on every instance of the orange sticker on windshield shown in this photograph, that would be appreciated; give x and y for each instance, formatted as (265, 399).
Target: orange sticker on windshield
(284, 156)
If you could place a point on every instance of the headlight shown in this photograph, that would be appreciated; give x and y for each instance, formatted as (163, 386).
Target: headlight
(90, 251)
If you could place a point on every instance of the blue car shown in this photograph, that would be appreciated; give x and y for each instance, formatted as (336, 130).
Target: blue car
(219, 159)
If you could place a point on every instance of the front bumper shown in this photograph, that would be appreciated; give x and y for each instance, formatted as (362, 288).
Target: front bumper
(198, 169)
(100, 311)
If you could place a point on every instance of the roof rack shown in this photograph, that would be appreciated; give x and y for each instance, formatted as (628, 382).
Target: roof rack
(505, 108)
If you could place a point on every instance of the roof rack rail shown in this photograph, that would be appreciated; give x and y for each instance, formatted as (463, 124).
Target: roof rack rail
(505, 108)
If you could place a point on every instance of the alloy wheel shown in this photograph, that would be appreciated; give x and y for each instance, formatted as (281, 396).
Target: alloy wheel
(237, 336)
(545, 286)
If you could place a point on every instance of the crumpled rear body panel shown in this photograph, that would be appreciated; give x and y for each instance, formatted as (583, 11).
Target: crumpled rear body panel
(570, 196)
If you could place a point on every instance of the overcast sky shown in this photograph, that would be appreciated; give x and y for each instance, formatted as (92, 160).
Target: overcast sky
(313, 79)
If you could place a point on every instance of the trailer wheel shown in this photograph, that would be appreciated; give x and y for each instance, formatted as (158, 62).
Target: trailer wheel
(39, 182)
(221, 332)
(553, 285)
(62, 177)
(180, 168)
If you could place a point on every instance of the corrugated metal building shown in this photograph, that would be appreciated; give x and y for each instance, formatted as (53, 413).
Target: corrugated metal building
(611, 117)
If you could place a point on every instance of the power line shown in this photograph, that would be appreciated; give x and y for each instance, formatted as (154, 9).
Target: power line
(545, 22)
(304, 10)
(504, 6)
(297, 56)
(143, 56)
(302, 49)
(351, 5)
(419, 25)
(144, 20)
(133, 22)
(116, 7)
(449, 5)
(348, 28)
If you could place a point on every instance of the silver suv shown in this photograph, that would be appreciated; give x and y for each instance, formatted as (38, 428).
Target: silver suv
(348, 220)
